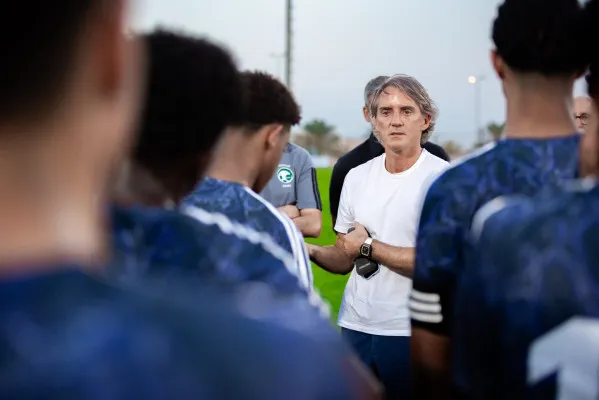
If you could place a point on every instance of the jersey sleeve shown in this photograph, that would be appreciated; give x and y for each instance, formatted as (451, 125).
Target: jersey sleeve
(299, 251)
(307, 192)
(438, 257)
(476, 326)
(345, 214)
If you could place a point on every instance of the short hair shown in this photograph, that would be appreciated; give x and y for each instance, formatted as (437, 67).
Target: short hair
(414, 90)
(38, 43)
(266, 101)
(193, 92)
(541, 36)
(372, 86)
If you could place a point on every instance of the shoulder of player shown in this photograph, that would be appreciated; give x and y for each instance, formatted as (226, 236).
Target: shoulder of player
(298, 152)
(459, 175)
(510, 216)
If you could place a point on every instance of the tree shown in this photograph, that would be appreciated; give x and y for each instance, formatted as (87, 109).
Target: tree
(495, 130)
(319, 128)
(321, 137)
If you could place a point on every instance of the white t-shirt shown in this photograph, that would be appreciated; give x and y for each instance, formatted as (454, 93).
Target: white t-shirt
(388, 205)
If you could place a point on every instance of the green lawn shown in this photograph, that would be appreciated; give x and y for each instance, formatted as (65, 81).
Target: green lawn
(330, 286)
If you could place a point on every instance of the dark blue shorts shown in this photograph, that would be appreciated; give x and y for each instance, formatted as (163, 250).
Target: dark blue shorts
(388, 357)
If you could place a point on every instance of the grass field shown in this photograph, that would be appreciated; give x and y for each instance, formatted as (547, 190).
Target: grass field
(330, 286)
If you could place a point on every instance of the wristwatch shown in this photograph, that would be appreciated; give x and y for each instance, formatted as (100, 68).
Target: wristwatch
(366, 248)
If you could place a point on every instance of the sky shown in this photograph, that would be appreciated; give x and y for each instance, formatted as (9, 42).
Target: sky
(340, 44)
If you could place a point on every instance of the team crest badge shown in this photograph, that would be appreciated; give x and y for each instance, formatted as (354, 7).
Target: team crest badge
(285, 175)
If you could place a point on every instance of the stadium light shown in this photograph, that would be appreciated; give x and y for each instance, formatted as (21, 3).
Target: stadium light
(478, 131)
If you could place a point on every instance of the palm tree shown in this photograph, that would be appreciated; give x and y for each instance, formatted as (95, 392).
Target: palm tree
(321, 136)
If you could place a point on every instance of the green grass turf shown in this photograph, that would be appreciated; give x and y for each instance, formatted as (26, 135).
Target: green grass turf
(330, 286)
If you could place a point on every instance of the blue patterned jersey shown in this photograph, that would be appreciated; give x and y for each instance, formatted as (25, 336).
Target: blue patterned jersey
(511, 166)
(65, 335)
(527, 318)
(172, 247)
(242, 205)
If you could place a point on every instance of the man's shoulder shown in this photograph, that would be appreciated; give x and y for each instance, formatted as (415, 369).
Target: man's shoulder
(434, 164)
(298, 153)
(557, 214)
(436, 150)
(462, 173)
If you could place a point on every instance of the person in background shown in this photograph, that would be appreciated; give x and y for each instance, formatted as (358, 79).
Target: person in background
(582, 112)
(168, 158)
(369, 149)
(380, 201)
(293, 189)
(244, 162)
(527, 317)
(538, 57)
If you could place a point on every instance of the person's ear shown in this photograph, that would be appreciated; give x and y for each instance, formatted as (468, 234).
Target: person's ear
(272, 135)
(366, 113)
(426, 124)
(498, 64)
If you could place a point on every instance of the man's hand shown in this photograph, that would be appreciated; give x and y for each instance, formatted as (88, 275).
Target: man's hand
(291, 211)
(354, 240)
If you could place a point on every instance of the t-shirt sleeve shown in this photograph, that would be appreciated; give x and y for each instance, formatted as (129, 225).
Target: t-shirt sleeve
(308, 194)
(438, 257)
(345, 214)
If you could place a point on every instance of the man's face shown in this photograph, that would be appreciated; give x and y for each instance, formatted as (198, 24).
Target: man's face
(582, 112)
(398, 122)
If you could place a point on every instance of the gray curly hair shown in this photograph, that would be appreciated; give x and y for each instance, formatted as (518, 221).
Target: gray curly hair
(414, 90)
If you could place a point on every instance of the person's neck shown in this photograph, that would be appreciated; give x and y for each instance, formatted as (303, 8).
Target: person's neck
(49, 212)
(234, 161)
(400, 161)
(135, 186)
(542, 111)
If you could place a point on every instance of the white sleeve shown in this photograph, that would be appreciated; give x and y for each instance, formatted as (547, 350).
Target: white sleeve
(300, 253)
(345, 214)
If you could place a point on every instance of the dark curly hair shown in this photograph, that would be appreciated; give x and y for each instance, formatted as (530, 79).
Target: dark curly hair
(542, 36)
(38, 41)
(266, 101)
(193, 92)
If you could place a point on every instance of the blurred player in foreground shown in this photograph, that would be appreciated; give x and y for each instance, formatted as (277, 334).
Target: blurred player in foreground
(182, 121)
(527, 318)
(538, 56)
(64, 334)
(244, 163)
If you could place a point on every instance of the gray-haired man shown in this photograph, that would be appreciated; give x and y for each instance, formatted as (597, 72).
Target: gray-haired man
(366, 151)
(382, 198)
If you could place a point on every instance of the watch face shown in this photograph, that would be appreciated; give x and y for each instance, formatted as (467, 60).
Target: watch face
(365, 250)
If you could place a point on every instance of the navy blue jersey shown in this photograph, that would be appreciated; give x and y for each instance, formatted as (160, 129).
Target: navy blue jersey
(65, 335)
(510, 166)
(242, 205)
(172, 247)
(526, 320)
